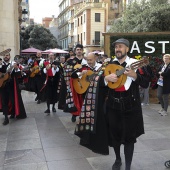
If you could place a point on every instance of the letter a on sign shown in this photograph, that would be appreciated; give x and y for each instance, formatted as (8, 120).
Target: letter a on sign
(135, 47)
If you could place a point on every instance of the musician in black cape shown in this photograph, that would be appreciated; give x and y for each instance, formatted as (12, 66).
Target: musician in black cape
(51, 69)
(71, 101)
(36, 78)
(11, 101)
(119, 120)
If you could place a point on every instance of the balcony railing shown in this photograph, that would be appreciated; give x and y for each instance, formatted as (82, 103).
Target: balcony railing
(95, 42)
(70, 33)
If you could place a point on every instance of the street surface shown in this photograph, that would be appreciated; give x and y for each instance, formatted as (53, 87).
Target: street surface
(43, 142)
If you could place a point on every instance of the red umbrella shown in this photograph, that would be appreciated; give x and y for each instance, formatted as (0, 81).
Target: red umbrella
(55, 50)
(30, 50)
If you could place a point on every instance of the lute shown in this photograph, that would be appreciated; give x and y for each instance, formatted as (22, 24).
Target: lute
(119, 71)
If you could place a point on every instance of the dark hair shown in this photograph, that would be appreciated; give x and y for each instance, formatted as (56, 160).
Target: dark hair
(79, 46)
(70, 50)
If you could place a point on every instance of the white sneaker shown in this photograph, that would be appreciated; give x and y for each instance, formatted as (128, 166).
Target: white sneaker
(161, 110)
(164, 113)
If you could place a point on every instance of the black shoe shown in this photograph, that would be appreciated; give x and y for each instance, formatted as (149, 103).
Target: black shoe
(47, 111)
(12, 117)
(36, 98)
(117, 165)
(53, 109)
(6, 121)
(39, 101)
(73, 119)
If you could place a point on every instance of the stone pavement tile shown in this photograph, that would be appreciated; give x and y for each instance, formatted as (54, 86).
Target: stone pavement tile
(3, 145)
(157, 144)
(148, 161)
(3, 131)
(50, 132)
(74, 164)
(32, 166)
(53, 125)
(103, 162)
(75, 137)
(68, 124)
(87, 152)
(153, 125)
(27, 121)
(62, 153)
(152, 135)
(164, 132)
(2, 159)
(20, 127)
(24, 144)
(24, 133)
(141, 147)
(53, 142)
(60, 113)
(54, 122)
(24, 157)
(165, 154)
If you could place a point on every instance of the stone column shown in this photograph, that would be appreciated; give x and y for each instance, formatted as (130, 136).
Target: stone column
(9, 26)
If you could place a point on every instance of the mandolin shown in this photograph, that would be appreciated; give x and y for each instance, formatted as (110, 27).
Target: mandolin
(119, 70)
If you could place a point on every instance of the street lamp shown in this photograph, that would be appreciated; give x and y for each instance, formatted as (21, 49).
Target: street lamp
(24, 16)
(22, 21)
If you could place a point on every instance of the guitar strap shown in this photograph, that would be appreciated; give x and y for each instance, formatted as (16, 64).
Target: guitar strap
(88, 115)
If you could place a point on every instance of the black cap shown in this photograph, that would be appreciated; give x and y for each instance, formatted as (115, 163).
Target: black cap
(121, 41)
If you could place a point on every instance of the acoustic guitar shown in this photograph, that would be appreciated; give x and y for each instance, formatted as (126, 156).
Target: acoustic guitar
(34, 71)
(119, 70)
(5, 76)
(81, 85)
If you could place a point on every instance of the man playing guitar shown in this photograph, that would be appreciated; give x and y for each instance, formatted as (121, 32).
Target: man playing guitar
(11, 99)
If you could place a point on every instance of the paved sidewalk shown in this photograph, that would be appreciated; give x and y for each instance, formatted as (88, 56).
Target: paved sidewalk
(43, 142)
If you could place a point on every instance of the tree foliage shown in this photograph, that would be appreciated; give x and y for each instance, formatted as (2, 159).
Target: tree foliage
(144, 16)
(38, 37)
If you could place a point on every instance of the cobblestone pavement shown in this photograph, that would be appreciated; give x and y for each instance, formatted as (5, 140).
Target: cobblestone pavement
(43, 142)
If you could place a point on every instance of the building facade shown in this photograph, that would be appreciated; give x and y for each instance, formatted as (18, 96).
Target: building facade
(11, 17)
(9, 29)
(84, 22)
(46, 22)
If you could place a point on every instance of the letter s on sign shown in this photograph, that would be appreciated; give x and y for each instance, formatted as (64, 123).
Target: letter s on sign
(148, 46)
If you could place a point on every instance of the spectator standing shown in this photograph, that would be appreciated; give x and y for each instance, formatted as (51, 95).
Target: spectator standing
(164, 84)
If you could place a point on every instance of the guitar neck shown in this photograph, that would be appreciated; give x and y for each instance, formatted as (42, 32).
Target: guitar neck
(132, 66)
